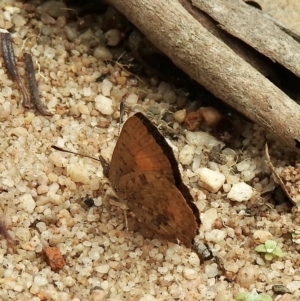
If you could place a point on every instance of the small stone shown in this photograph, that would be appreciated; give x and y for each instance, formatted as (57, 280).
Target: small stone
(106, 87)
(113, 37)
(27, 202)
(210, 116)
(210, 180)
(211, 270)
(54, 8)
(247, 275)
(179, 116)
(286, 297)
(131, 99)
(40, 280)
(202, 139)
(260, 236)
(54, 258)
(189, 274)
(104, 105)
(224, 295)
(208, 218)
(78, 173)
(186, 155)
(103, 269)
(102, 53)
(57, 159)
(215, 235)
(148, 297)
(240, 192)
(98, 295)
(293, 286)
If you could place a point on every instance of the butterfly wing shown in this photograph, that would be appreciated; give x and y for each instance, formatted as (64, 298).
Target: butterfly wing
(141, 147)
(158, 204)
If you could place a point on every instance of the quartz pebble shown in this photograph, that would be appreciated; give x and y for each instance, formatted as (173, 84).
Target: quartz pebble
(240, 192)
(106, 87)
(215, 235)
(102, 53)
(148, 297)
(78, 173)
(186, 155)
(103, 269)
(208, 218)
(27, 202)
(189, 274)
(210, 179)
(104, 105)
(113, 37)
(202, 139)
(211, 270)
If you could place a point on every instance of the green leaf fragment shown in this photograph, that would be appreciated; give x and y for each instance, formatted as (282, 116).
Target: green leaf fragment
(278, 252)
(261, 248)
(270, 245)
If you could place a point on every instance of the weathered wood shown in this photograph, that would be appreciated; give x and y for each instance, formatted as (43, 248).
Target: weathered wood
(214, 65)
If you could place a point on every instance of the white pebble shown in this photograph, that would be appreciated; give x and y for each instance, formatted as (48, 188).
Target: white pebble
(131, 99)
(102, 53)
(215, 235)
(247, 175)
(293, 286)
(49, 53)
(240, 192)
(18, 20)
(208, 218)
(87, 91)
(113, 37)
(23, 234)
(7, 91)
(186, 155)
(106, 87)
(211, 270)
(104, 105)
(40, 280)
(57, 159)
(202, 139)
(244, 165)
(194, 259)
(209, 179)
(148, 297)
(71, 33)
(103, 269)
(189, 274)
(78, 173)
(27, 202)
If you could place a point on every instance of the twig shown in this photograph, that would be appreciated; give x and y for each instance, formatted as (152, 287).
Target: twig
(33, 85)
(10, 64)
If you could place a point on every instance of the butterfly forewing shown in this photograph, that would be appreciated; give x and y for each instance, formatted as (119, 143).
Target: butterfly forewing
(137, 150)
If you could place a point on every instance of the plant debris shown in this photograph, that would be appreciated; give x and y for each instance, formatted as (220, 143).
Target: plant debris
(10, 64)
(33, 85)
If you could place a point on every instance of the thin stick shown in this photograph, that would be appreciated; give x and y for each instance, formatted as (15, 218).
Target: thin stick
(10, 64)
(33, 85)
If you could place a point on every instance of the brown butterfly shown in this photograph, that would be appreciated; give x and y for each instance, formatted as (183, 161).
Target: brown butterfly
(145, 175)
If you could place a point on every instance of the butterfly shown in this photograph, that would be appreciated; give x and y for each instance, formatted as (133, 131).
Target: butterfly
(144, 174)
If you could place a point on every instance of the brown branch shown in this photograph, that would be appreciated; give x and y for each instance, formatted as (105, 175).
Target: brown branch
(208, 60)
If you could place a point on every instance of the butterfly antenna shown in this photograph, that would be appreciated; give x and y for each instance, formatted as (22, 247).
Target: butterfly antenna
(122, 110)
(103, 162)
